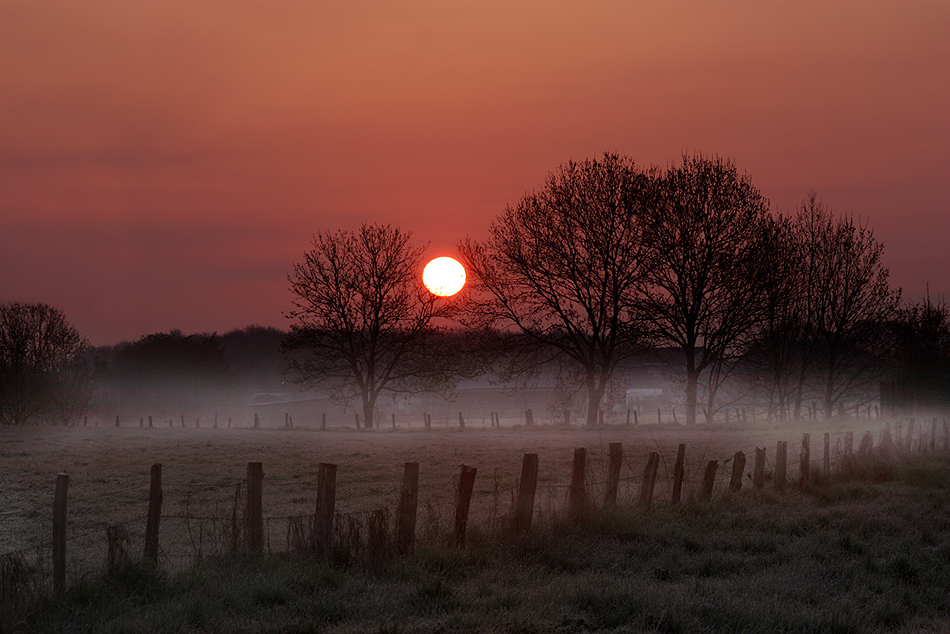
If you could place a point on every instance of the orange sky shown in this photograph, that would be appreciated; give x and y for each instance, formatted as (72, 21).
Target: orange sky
(163, 164)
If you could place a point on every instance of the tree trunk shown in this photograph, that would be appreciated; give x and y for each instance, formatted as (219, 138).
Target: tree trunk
(692, 382)
(595, 395)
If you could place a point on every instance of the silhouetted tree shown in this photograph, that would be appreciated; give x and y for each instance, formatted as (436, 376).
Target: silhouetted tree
(705, 279)
(43, 374)
(171, 369)
(364, 321)
(922, 355)
(562, 268)
(844, 304)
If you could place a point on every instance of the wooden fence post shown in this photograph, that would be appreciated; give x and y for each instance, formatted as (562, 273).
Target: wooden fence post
(804, 461)
(408, 502)
(709, 479)
(116, 420)
(529, 483)
(577, 495)
(781, 457)
(149, 422)
(635, 421)
(679, 471)
(613, 474)
(758, 471)
(59, 533)
(463, 501)
(826, 458)
(738, 468)
(649, 481)
(848, 444)
(461, 422)
(154, 513)
(529, 417)
(326, 506)
(427, 421)
(255, 508)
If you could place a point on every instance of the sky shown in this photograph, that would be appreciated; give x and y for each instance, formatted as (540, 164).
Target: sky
(164, 164)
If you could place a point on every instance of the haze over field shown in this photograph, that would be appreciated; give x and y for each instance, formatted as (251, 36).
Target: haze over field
(163, 165)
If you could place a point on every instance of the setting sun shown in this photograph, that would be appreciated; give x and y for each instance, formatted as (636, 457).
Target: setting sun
(444, 276)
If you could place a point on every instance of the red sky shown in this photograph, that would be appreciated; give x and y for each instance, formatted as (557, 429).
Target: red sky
(163, 164)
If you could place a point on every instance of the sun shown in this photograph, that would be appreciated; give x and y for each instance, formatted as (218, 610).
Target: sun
(444, 276)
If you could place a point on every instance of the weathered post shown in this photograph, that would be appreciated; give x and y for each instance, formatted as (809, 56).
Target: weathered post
(529, 417)
(408, 502)
(326, 505)
(461, 422)
(182, 421)
(679, 471)
(709, 479)
(257, 421)
(613, 473)
(154, 513)
(826, 458)
(758, 471)
(635, 420)
(577, 495)
(149, 422)
(255, 508)
(463, 501)
(141, 422)
(781, 457)
(215, 421)
(649, 481)
(628, 417)
(427, 422)
(804, 461)
(116, 420)
(738, 468)
(526, 490)
(59, 533)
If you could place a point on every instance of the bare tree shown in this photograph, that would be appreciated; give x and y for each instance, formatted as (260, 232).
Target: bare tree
(364, 321)
(562, 268)
(43, 375)
(705, 235)
(846, 303)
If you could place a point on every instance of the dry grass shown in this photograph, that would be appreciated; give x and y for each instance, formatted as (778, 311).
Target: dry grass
(847, 556)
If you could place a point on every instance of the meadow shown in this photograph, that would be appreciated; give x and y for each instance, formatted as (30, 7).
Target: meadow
(844, 555)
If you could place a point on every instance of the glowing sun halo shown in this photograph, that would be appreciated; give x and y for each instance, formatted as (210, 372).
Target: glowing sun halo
(444, 276)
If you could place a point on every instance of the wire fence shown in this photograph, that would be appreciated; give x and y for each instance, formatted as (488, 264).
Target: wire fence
(206, 521)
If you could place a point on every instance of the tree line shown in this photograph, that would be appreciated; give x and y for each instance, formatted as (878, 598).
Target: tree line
(607, 260)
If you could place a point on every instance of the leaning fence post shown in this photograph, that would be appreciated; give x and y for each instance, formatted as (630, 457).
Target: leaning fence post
(529, 483)
(59, 533)
(781, 457)
(649, 481)
(804, 461)
(826, 458)
(408, 502)
(154, 513)
(463, 501)
(255, 509)
(709, 479)
(577, 496)
(738, 467)
(326, 503)
(679, 471)
(758, 471)
(613, 473)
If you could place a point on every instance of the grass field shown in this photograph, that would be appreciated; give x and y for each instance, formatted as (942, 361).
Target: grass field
(844, 556)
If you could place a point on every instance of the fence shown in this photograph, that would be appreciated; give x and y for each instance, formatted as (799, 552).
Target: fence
(227, 517)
